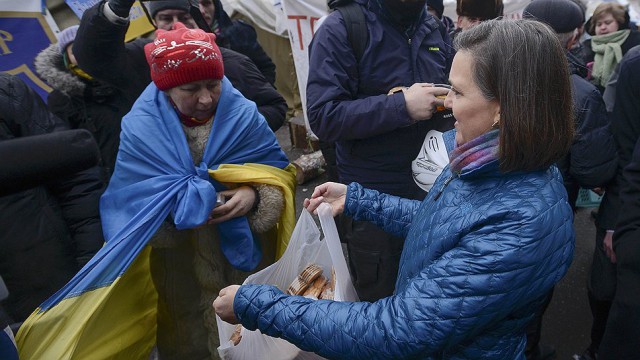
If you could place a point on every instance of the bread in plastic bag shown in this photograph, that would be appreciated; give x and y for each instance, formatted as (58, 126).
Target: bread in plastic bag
(305, 247)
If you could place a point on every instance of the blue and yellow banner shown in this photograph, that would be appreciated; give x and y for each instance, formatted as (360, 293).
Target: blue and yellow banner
(22, 36)
(139, 24)
(26, 29)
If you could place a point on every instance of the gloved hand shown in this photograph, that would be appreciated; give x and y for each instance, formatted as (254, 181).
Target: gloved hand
(121, 7)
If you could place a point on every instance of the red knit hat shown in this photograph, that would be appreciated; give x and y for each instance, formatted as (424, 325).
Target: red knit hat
(182, 55)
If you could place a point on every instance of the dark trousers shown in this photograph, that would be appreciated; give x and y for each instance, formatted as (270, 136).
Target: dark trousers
(601, 289)
(534, 330)
(374, 256)
(328, 150)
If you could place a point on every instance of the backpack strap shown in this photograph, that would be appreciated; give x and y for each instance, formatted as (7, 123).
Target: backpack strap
(356, 25)
(435, 23)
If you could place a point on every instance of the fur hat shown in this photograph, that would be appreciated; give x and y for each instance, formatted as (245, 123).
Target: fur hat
(182, 55)
(436, 5)
(480, 9)
(562, 15)
(155, 6)
(66, 37)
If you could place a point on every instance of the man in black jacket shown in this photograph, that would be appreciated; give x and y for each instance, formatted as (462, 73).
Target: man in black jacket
(591, 161)
(81, 101)
(623, 324)
(101, 51)
(620, 339)
(48, 232)
(236, 35)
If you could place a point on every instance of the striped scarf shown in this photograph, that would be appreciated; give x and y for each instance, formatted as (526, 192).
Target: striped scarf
(475, 153)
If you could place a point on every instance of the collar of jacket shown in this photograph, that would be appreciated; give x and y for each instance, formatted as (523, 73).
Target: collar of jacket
(49, 65)
(490, 169)
(576, 66)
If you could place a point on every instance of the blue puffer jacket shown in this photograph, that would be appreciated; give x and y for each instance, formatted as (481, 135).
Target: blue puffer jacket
(347, 99)
(481, 252)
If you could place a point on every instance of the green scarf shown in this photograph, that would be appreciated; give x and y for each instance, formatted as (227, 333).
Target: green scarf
(607, 54)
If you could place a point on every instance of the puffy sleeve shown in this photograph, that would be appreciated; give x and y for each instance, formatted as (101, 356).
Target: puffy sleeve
(391, 213)
(494, 272)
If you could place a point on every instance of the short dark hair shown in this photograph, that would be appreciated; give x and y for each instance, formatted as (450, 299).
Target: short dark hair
(480, 9)
(522, 65)
(159, 5)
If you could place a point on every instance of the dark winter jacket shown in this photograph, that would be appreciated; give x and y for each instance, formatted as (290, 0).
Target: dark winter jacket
(239, 36)
(481, 253)
(101, 51)
(625, 127)
(347, 100)
(623, 325)
(83, 104)
(48, 232)
(592, 159)
(609, 95)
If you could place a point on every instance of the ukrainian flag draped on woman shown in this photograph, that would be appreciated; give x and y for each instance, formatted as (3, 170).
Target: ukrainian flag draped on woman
(108, 310)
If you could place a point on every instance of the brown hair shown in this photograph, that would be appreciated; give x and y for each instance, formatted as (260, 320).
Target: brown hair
(522, 65)
(618, 12)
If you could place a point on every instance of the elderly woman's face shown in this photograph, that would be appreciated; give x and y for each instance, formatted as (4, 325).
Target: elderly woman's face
(474, 114)
(197, 99)
(606, 24)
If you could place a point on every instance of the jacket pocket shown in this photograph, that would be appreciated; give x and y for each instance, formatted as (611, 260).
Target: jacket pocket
(364, 266)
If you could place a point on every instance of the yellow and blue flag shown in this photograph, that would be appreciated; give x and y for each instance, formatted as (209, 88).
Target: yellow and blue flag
(108, 310)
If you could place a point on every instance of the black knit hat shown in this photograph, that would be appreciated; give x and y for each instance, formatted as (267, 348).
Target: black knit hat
(436, 5)
(562, 15)
(155, 6)
(480, 9)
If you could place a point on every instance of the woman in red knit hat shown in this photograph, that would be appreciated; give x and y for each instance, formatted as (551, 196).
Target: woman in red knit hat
(173, 178)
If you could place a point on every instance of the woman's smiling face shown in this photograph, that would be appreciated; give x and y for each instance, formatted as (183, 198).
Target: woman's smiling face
(474, 114)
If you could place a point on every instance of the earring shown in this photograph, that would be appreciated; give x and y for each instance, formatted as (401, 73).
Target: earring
(495, 124)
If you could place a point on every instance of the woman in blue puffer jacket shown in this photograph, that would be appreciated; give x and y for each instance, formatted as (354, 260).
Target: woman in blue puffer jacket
(486, 245)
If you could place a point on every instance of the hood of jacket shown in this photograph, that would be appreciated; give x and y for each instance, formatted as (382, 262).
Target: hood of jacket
(50, 67)
(23, 111)
(220, 15)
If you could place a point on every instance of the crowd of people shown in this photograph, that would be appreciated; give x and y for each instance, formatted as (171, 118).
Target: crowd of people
(531, 111)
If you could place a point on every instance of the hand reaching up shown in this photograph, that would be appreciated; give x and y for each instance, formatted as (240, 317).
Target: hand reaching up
(121, 7)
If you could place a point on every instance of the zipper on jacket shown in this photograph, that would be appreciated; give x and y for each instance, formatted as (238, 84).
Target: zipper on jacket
(442, 188)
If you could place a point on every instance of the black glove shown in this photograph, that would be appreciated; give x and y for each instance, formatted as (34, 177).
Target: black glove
(121, 7)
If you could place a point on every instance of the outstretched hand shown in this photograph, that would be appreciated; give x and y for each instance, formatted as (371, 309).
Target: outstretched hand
(332, 193)
(121, 7)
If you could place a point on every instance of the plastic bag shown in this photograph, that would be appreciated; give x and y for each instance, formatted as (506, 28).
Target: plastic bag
(305, 247)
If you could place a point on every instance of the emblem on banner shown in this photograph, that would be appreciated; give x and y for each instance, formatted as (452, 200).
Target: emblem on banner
(22, 36)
